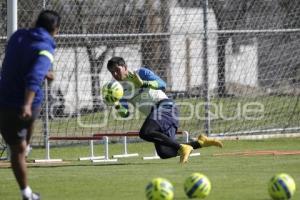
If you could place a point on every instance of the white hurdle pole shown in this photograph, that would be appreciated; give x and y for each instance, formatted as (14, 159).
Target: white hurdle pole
(92, 156)
(125, 154)
(46, 130)
(47, 159)
(154, 157)
(106, 157)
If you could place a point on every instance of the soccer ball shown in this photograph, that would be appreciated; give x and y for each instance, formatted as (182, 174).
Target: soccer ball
(160, 189)
(112, 92)
(197, 186)
(281, 187)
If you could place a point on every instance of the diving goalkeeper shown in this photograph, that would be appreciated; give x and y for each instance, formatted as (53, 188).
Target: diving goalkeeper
(145, 90)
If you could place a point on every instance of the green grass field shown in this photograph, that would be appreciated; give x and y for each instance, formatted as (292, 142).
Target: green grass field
(232, 177)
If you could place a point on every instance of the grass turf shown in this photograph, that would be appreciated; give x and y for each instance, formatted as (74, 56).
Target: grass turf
(232, 177)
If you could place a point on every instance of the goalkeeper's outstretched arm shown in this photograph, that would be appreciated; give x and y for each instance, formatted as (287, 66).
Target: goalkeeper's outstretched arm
(150, 79)
(147, 79)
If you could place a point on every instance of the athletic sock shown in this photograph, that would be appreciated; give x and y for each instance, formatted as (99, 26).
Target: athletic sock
(195, 144)
(26, 192)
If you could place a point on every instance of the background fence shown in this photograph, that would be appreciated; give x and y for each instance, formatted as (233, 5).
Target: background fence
(232, 66)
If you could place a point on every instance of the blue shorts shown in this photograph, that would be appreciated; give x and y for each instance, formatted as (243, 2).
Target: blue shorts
(165, 114)
(12, 127)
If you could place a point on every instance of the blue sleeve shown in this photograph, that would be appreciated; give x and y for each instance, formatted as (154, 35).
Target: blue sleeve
(36, 75)
(149, 75)
(124, 103)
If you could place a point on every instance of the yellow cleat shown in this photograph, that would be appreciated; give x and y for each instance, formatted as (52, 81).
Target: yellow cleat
(184, 152)
(204, 141)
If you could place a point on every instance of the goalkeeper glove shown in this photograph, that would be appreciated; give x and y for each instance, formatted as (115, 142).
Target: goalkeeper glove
(138, 82)
(122, 111)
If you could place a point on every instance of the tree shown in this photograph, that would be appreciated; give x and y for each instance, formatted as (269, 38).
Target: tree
(230, 11)
(156, 49)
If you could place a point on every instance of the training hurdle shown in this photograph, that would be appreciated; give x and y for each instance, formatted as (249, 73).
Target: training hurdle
(87, 138)
(105, 137)
(92, 157)
(106, 144)
(135, 134)
(124, 135)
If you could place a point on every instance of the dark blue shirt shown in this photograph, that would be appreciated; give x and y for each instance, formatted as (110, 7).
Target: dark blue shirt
(28, 58)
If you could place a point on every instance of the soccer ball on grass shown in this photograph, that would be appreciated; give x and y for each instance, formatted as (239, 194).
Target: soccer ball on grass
(281, 187)
(160, 189)
(197, 186)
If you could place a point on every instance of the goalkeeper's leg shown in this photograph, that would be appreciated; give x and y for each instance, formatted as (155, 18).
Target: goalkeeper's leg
(165, 142)
(152, 132)
(204, 141)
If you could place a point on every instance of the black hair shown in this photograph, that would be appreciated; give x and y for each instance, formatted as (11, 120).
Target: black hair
(114, 62)
(49, 20)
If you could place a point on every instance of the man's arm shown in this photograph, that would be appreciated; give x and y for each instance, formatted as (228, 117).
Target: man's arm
(33, 82)
(50, 76)
(146, 78)
(38, 72)
(26, 109)
(151, 80)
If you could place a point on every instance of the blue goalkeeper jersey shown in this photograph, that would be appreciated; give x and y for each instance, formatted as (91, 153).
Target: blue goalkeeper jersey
(144, 98)
(28, 58)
